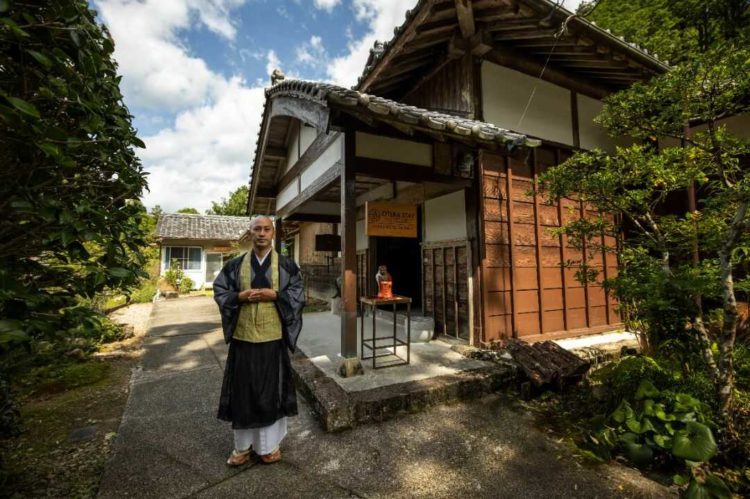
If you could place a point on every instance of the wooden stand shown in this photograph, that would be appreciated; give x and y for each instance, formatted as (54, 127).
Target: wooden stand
(393, 341)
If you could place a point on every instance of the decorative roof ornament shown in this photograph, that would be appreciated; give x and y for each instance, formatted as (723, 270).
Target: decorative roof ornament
(277, 76)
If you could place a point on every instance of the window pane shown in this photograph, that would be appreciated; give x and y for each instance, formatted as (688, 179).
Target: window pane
(194, 262)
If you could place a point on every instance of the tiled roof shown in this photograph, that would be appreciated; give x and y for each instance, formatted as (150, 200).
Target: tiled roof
(381, 48)
(213, 227)
(385, 109)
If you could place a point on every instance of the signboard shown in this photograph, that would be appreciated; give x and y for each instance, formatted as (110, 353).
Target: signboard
(327, 242)
(391, 220)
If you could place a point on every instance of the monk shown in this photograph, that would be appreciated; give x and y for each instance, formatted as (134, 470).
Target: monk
(260, 296)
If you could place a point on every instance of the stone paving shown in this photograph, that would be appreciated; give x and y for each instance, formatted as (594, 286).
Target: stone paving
(171, 445)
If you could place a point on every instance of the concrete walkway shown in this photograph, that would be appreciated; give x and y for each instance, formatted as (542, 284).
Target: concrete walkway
(171, 445)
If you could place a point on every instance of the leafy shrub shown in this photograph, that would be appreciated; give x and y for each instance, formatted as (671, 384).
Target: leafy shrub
(655, 427)
(174, 274)
(186, 285)
(145, 293)
(742, 366)
(620, 380)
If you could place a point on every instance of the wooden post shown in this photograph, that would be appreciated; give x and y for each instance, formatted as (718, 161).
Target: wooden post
(575, 122)
(538, 237)
(279, 229)
(563, 256)
(350, 364)
(511, 246)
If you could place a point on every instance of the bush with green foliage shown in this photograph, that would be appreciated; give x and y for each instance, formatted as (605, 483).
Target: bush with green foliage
(144, 293)
(661, 428)
(174, 274)
(72, 223)
(186, 285)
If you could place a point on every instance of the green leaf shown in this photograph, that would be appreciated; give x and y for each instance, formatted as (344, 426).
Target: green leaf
(23, 106)
(119, 272)
(49, 149)
(623, 412)
(695, 442)
(4, 6)
(680, 479)
(646, 390)
(713, 488)
(663, 441)
(639, 454)
(14, 27)
(41, 58)
(11, 331)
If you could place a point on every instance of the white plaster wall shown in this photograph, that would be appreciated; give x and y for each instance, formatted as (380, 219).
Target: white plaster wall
(293, 149)
(738, 125)
(506, 92)
(445, 217)
(287, 194)
(323, 163)
(390, 149)
(362, 240)
(307, 136)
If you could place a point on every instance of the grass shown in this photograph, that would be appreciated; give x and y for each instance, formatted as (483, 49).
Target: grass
(44, 460)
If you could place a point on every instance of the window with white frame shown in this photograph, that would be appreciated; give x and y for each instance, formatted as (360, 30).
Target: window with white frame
(186, 258)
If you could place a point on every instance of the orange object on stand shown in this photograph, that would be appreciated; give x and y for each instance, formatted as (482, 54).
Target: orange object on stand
(385, 289)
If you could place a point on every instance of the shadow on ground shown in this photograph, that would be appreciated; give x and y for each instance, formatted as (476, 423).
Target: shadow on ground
(171, 445)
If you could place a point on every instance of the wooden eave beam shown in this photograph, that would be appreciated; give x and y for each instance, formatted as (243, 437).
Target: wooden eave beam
(513, 59)
(456, 48)
(465, 16)
(275, 153)
(535, 34)
(396, 48)
(393, 170)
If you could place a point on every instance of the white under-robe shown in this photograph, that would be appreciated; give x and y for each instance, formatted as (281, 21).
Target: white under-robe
(263, 440)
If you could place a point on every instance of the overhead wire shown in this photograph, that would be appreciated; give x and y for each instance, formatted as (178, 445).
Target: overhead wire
(563, 29)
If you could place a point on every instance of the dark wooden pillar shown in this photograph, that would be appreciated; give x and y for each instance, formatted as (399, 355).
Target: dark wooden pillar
(474, 256)
(279, 229)
(350, 364)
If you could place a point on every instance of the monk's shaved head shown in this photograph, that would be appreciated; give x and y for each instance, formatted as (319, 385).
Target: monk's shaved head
(257, 218)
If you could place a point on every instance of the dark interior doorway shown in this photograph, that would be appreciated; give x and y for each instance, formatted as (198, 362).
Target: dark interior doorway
(403, 257)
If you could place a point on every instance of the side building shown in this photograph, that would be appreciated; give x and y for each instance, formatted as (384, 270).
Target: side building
(198, 244)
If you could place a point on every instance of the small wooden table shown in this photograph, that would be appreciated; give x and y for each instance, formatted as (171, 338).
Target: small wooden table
(373, 302)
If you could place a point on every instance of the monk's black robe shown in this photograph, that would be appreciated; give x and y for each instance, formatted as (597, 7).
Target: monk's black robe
(258, 388)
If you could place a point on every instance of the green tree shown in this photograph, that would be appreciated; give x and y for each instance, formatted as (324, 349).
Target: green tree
(70, 219)
(673, 29)
(190, 211)
(637, 182)
(235, 205)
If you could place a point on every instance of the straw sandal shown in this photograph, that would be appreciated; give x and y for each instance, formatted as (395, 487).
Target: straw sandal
(237, 458)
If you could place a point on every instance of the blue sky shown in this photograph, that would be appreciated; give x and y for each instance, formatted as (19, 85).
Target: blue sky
(194, 72)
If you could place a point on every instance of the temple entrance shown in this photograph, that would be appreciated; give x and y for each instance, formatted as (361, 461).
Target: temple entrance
(403, 257)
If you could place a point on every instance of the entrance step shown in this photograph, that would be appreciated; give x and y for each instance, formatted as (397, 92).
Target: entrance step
(339, 409)
(422, 327)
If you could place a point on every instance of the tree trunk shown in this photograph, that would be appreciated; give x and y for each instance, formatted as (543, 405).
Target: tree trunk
(725, 386)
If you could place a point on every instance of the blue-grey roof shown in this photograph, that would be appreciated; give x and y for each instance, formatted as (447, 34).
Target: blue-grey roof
(208, 227)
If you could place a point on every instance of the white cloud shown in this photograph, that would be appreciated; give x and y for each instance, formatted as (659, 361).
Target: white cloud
(205, 153)
(382, 16)
(158, 72)
(312, 52)
(326, 4)
(272, 62)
